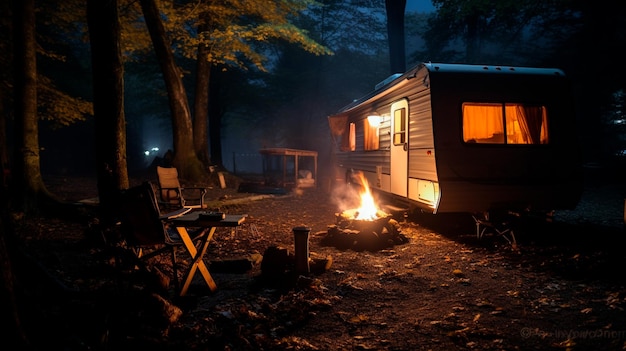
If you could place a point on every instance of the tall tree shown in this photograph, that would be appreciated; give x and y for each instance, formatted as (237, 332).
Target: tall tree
(395, 32)
(10, 312)
(108, 99)
(5, 85)
(185, 159)
(35, 98)
(27, 172)
(26, 117)
(215, 113)
(202, 99)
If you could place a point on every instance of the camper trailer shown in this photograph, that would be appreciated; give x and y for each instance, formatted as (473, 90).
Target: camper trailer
(446, 138)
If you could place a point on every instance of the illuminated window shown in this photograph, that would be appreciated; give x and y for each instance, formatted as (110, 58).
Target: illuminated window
(509, 123)
(399, 126)
(371, 139)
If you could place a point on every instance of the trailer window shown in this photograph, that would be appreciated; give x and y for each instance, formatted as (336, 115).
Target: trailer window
(399, 126)
(508, 123)
(370, 135)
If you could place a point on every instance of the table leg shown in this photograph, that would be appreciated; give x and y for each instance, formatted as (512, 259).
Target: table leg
(197, 256)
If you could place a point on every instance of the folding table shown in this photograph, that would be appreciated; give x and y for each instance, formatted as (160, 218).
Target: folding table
(201, 219)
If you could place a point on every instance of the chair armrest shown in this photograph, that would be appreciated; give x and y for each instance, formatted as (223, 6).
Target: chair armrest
(202, 189)
(175, 214)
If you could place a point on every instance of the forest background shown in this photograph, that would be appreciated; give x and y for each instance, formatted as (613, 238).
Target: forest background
(88, 86)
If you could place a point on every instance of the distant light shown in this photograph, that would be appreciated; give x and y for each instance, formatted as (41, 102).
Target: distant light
(151, 151)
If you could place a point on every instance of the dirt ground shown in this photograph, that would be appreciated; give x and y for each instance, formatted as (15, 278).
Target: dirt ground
(560, 288)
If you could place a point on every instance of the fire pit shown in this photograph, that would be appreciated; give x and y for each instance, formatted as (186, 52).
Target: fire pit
(350, 219)
(364, 228)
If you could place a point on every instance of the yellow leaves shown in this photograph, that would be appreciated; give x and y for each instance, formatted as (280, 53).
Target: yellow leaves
(60, 107)
(232, 29)
(134, 33)
(512, 293)
(566, 344)
(586, 310)
(613, 300)
(359, 319)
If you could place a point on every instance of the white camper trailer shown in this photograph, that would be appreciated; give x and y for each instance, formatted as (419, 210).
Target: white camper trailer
(449, 138)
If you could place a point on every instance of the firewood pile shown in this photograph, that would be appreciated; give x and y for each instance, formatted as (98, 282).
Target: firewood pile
(364, 235)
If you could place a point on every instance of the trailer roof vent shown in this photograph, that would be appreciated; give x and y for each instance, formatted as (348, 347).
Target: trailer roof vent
(387, 81)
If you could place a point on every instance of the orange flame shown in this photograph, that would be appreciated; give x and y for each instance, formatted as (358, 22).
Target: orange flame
(367, 209)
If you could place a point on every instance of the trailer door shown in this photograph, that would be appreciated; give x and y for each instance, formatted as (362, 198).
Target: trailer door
(399, 147)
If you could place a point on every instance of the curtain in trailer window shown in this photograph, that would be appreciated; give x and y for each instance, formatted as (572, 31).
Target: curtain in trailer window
(340, 131)
(370, 136)
(338, 125)
(532, 122)
(348, 138)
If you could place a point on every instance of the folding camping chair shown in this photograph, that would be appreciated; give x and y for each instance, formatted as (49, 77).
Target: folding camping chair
(173, 195)
(499, 225)
(145, 230)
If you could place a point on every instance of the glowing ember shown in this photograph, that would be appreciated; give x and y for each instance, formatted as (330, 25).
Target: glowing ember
(367, 211)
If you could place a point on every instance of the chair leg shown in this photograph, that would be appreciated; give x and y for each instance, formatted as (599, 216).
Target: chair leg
(480, 222)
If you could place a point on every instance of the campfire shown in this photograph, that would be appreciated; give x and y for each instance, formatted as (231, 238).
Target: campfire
(366, 227)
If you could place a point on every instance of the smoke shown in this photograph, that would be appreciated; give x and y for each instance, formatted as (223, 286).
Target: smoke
(349, 196)
(346, 196)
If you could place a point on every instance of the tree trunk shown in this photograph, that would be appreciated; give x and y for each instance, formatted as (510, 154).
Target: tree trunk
(25, 89)
(201, 104)
(11, 316)
(5, 7)
(215, 119)
(185, 159)
(29, 184)
(108, 100)
(4, 150)
(395, 32)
